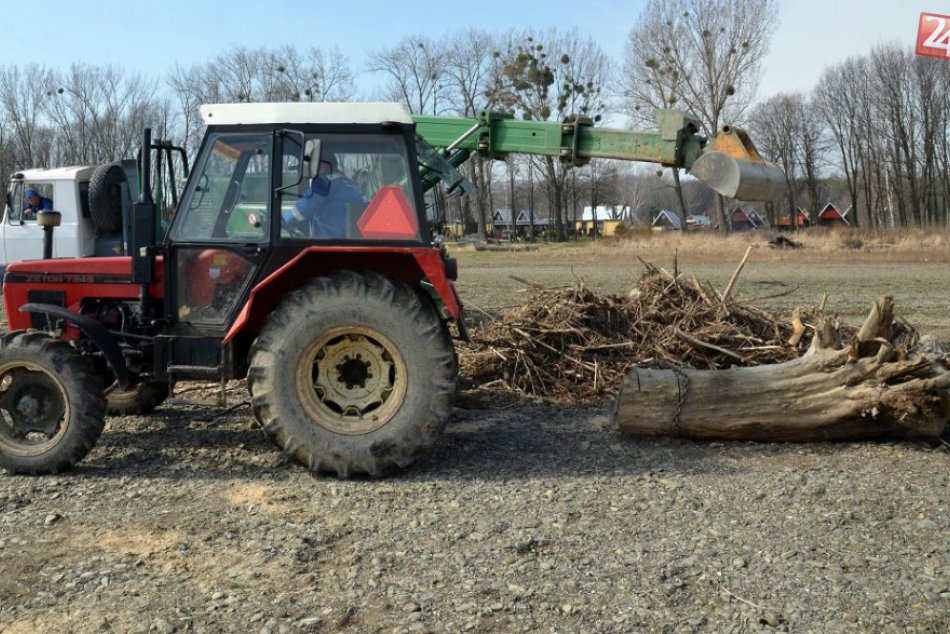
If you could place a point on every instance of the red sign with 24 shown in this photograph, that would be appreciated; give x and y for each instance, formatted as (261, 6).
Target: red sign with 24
(933, 35)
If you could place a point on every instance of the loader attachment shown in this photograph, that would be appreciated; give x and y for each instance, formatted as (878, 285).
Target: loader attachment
(733, 167)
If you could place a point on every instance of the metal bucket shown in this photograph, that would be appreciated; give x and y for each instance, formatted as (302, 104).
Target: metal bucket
(732, 166)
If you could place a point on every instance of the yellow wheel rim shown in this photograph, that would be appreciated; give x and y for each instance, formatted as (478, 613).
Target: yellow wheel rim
(352, 380)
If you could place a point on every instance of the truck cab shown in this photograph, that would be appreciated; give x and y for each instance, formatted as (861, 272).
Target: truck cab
(77, 236)
(68, 187)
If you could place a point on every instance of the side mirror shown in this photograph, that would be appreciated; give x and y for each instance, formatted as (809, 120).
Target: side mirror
(311, 157)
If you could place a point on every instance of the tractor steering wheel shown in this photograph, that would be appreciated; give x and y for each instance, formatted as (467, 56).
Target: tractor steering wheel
(295, 231)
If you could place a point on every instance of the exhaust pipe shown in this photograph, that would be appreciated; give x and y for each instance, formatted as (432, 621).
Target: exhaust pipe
(49, 220)
(733, 167)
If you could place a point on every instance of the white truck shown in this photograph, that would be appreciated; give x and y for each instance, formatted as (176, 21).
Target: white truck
(68, 188)
(89, 199)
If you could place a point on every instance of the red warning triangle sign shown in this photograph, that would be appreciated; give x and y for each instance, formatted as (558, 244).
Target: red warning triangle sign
(389, 216)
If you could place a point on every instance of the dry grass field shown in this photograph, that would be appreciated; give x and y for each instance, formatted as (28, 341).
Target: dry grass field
(852, 267)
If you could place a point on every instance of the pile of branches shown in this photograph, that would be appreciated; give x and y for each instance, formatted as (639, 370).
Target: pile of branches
(572, 344)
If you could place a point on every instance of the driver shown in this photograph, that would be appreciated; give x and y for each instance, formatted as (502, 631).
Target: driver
(35, 204)
(324, 203)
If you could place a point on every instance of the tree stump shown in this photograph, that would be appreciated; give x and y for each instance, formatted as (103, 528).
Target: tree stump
(882, 383)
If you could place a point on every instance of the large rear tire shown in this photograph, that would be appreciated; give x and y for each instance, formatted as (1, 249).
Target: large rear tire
(51, 405)
(353, 373)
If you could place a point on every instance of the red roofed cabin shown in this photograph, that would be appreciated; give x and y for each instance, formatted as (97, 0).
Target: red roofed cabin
(784, 223)
(743, 220)
(830, 216)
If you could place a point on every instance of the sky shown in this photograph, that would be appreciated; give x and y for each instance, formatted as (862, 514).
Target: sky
(152, 37)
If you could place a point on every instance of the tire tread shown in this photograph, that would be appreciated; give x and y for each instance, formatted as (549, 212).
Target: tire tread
(83, 391)
(304, 306)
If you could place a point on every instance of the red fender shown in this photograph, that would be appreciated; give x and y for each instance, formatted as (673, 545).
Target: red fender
(408, 264)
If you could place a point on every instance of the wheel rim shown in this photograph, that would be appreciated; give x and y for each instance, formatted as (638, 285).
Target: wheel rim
(34, 411)
(352, 380)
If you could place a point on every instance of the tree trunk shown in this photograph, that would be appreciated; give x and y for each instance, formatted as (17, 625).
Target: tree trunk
(481, 219)
(531, 199)
(678, 187)
(724, 227)
(866, 389)
(556, 193)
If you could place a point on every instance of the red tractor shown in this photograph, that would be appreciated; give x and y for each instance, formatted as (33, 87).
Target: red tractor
(338, 315)
(343, 336)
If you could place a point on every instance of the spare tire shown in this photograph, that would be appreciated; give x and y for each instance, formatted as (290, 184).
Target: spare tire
(105, 197)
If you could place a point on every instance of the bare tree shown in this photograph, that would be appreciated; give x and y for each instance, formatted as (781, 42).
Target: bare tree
(469, 72)
(311, 75)
(890, 123)
(22, 97)
(6, 151)
(837, 98)
(932, 125)
(705, 55)
(777, 123)
(190, 90)
(636, 186)
(651, 81)
(553, 76)
(241, 75)
(98, 112)
(414, 70)
(895, 101)
(812, 150)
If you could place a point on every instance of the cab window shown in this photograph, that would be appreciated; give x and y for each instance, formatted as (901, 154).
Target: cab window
(363, 191)
(28, 199)
(228, 194)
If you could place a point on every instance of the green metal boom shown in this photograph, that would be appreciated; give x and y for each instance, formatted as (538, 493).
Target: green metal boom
(730, 165)
(575, 141)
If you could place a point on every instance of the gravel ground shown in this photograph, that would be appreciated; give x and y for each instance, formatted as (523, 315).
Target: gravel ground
(526, 518)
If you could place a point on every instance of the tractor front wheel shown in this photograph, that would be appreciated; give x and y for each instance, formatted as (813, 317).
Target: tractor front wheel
(51, 405)
(353, 373)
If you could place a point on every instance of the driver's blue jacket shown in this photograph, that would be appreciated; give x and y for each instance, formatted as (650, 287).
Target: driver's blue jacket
(324, 205)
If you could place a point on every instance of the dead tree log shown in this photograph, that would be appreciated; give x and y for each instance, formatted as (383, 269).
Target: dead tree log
(881, 383)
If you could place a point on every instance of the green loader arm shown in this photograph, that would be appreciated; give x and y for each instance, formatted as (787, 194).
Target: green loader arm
(576, 141)
(734, 169)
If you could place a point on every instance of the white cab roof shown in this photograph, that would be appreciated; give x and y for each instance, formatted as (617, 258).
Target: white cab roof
(73, 172)
(281, 113)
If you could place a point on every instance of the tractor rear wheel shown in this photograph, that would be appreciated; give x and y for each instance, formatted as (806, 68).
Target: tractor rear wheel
(141, 398)
(353, 373)
(51, 405)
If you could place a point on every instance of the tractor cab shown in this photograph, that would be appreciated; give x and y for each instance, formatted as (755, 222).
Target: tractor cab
(349, 177)
(283, 192)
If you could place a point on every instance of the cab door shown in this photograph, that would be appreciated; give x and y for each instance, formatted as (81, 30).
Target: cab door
(22, 238)
(217, 241)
